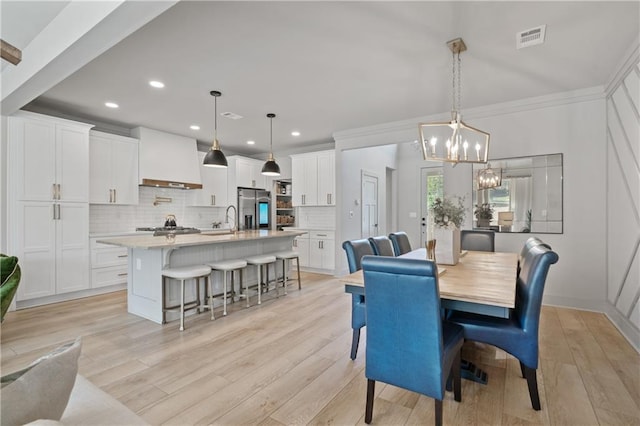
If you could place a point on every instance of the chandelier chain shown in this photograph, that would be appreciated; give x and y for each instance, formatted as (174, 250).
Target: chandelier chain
(459, 84)
(453, 81)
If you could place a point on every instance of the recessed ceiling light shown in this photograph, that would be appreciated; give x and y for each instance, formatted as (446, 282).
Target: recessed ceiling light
(251, 142)
(111, 105)
(194, 127)
(156, 84)
(295, 133)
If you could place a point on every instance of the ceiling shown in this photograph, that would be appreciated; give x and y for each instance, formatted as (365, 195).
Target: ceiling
(322, 67)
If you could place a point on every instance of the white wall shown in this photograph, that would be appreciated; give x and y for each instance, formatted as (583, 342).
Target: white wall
(3, 184)
(570, 123)
(349, 189)
(623, 199)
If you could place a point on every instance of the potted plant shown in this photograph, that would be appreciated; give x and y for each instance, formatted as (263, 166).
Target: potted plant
(484, 214)
(447, 216)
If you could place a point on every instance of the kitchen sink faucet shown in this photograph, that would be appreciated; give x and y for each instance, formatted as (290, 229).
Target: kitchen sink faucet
(235, 218)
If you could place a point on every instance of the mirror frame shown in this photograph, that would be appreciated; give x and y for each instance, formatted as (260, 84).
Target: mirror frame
(492, 162)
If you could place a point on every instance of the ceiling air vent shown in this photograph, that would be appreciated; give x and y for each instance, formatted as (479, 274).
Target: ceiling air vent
(530, 37)
(231, 115)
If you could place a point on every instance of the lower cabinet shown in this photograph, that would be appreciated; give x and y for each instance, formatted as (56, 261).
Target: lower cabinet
(316, 250)
(52, 243)
(108, 265)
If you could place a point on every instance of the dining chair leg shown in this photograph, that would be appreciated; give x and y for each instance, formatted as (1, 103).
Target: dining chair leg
(522, 370)
(438, 412)
(368, 413)
(354, 343)
(457, 381)
(532, 382)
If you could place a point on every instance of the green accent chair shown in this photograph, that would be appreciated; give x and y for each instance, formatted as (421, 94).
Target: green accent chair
(10, 273)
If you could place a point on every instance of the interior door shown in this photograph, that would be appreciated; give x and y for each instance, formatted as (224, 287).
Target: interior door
(431, 187)
(369, 205)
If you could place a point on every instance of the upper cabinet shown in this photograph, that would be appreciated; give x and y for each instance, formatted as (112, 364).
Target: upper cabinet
(50, 157)
(249, 173)
(113, 166)
(313, 176)
(214, 186)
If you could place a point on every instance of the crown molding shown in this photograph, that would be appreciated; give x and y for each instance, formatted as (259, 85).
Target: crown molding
(623, 69)
(528, 104)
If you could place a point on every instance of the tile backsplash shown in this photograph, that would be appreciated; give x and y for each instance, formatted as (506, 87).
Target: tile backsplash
(110, 218)
(316, 217)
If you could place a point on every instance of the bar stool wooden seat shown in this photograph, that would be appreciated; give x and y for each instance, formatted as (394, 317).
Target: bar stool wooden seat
(262, 260)
(230, 265)
(183, 273)
(286, 257)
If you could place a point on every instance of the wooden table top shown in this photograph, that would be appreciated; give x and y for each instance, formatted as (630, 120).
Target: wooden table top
(479, 277)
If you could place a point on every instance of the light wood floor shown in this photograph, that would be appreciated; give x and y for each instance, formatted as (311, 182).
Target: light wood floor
(286, 362)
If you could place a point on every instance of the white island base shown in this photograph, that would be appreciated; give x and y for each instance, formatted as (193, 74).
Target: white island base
(149, 255)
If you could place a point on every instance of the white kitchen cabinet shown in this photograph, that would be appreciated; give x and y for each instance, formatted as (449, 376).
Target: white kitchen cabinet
(52, 243)
(322, 250)
(249, 173)
(214, 186)
(108, 265)
(113, 169)
(50, 158)
(313, 176)
(326, 178)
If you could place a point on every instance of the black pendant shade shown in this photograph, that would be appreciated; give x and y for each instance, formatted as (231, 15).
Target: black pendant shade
(215, 157)
(271, 168)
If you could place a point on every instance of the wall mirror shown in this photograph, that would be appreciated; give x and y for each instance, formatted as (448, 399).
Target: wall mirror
(529, 199)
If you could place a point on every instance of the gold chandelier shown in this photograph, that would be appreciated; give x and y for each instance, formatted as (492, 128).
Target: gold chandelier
(489, 178)
(454, 141)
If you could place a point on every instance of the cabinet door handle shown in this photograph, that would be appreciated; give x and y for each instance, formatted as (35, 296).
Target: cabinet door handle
(253, 183)
(123, 255)
(53, 191)
(54, 211)
(111, 195)
(115, 194)
(304, 199)
(59, 191)
(295, 243)
(213, 200)
(124, 274)
(330, 196)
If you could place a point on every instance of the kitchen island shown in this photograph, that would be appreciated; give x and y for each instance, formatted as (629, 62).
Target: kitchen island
(148, 255)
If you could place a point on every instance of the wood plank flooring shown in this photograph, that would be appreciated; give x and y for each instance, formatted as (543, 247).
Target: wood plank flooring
(286, 362)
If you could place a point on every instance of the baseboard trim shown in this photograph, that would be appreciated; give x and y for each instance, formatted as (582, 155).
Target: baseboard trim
(626, 328)
(30, 303)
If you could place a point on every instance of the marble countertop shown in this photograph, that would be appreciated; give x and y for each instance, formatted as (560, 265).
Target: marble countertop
(203, 238)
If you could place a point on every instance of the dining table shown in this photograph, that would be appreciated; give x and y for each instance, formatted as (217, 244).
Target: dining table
(481, 282)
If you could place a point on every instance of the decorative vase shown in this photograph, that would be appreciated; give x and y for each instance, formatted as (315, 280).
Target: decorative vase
(483, 223)
(448, 245)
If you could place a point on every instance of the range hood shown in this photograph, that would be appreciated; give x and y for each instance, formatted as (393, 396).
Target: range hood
(167, 160)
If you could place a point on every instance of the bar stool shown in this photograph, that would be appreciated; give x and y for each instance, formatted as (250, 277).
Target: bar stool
(225, 266)
(183, 273)
(260, 261)
(288, 256)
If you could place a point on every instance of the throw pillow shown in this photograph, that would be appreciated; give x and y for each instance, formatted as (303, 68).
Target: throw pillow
(10, 278)
(40, 391)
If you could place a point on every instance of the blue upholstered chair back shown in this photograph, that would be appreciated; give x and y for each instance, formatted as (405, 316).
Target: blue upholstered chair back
(404, 329)
(531, 242)
(529, 291)
(477, 240)
(382, 246)
(400, 241)
(355, 249)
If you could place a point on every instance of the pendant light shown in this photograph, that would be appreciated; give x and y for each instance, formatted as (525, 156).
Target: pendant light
(454, 141)
(215, 157)
(271, 168)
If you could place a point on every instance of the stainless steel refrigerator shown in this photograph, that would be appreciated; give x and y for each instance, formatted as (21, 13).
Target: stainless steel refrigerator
(254, 209)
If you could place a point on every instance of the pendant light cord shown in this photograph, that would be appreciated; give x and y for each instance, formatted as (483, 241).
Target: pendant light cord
(271, 136)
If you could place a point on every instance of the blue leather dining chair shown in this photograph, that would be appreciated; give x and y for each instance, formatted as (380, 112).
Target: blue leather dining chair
(408, 344)
(518, 334)
(355, 250)
(477, 240)
(401, 243)
(531, 242)
(382, 246)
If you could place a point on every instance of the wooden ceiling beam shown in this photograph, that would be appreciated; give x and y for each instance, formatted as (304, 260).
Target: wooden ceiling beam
(10, 53)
